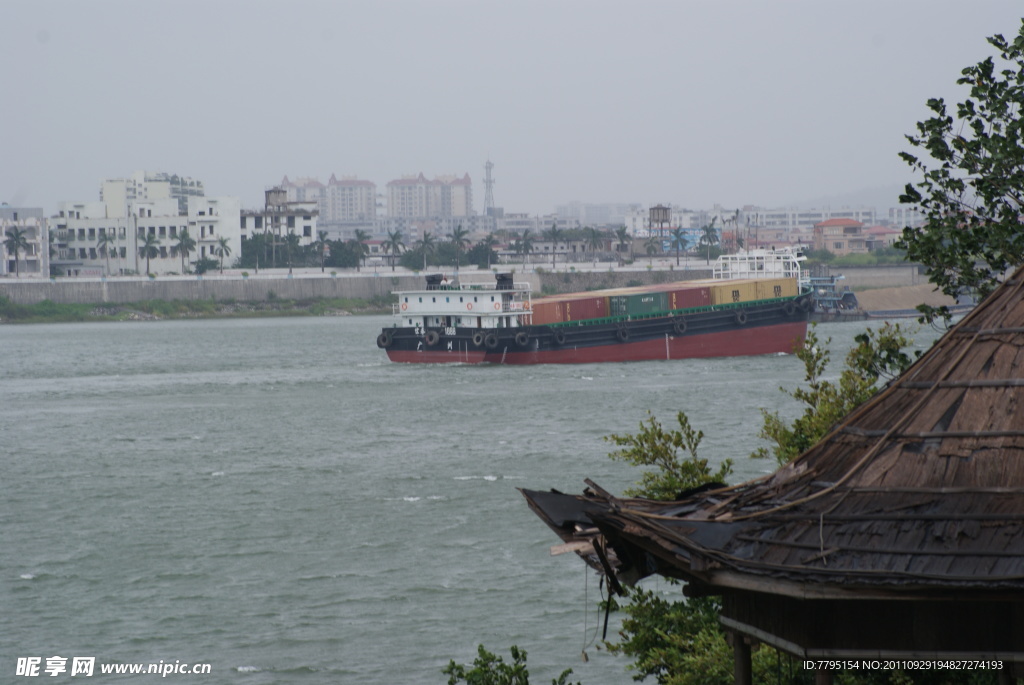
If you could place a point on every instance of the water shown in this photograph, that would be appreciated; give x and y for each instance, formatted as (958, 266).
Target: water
(274, 498)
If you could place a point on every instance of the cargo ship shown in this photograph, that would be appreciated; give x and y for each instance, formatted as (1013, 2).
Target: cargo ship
(754, 305)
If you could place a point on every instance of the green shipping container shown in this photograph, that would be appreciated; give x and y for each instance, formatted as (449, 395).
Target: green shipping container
(638, 304)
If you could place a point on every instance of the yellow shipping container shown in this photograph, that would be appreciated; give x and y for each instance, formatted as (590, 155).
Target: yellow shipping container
(774, 288)
(733, 292)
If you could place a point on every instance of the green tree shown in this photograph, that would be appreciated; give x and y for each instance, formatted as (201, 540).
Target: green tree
(673, 453)
(678, 241)
(185, 244)
(709, 237)
(394, 245)
(104, 244)
(323, 247)
(553, 234)
(460, 241)
(524, 245)
(291, 246)
(594, 241)
(16, 242)
(653, 246)
(360, 239)
(426, 245)
(877, 355)
(972, 190)
(222, 250)
(150, 248)
(488, 243)
(623, 239)
(489, 669)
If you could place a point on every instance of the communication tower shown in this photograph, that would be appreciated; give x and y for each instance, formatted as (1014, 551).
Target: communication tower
(488, 189)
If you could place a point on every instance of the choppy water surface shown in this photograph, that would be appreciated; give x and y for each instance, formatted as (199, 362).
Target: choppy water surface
(274, 498)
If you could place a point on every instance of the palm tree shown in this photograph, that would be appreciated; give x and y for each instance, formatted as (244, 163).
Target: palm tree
(622, 235)
(186, 244)
(554, 235)
(291, 244)
(393, 245)
(322, 248)
(16, 242)
(710, 237)
(362, 249)
(653, 247)
(593, 240)
(426, 244)
(459, 242)
(222, 250)
(524, 245)
(678, 241)
(150, 248)
(106, 240)
(489, 242)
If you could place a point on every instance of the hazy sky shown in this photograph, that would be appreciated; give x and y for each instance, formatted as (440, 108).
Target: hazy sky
(694, 103)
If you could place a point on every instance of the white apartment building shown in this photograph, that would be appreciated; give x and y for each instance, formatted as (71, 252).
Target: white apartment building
(343, 205)
(34, 260)
(143, 186)
(281, 216)
(97, 239)
(416, 197)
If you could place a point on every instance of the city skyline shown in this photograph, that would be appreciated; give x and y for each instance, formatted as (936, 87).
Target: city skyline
(693, 103)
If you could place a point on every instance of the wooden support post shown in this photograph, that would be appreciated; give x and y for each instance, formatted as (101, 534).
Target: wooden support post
(742, 669)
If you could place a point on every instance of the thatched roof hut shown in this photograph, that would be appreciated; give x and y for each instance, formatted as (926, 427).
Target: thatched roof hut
(900, 535)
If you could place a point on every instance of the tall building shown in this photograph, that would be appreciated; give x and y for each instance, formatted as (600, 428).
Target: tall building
(444, 197)
(342, 205)
(33, 259)
(143, 186)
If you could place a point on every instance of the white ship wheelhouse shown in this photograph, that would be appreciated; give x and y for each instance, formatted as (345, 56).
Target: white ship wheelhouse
(454, 303)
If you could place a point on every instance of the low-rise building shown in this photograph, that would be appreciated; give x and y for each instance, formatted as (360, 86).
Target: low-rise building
(31, 226)
(841, 237)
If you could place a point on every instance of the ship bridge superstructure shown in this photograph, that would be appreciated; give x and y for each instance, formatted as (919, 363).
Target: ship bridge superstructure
(444, 303)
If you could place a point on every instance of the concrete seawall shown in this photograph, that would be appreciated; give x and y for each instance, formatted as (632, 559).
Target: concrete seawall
(366, 285)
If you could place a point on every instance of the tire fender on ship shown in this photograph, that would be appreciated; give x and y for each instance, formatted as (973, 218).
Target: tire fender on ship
(522, 338)
(384, 340)
(622, 334)
(679, 325)
(491, 340)
(560, 337)
(789, 308)
(432, 338)
(478, 339)
(741, 317)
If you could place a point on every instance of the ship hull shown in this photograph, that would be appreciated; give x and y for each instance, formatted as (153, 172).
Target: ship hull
(729, 332)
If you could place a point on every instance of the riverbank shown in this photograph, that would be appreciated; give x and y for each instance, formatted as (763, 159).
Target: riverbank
(157, 310)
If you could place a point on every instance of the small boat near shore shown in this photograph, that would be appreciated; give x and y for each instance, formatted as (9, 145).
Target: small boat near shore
(754, 305)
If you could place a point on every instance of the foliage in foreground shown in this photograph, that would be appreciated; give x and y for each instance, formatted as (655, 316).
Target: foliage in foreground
(680, 642)
(489, 669)
(878, 355)
(972, 189)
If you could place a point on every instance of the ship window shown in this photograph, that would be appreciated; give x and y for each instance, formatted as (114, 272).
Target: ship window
(433, 299)
(474, 298)
(421, 299)
(447, 299)
(492, 298)
(460, 298)
(406, 299)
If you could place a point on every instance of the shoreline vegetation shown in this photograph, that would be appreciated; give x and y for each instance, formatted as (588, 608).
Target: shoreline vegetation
(48, 311)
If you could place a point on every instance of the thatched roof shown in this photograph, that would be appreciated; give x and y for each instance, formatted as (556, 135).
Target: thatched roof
(921, 489)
